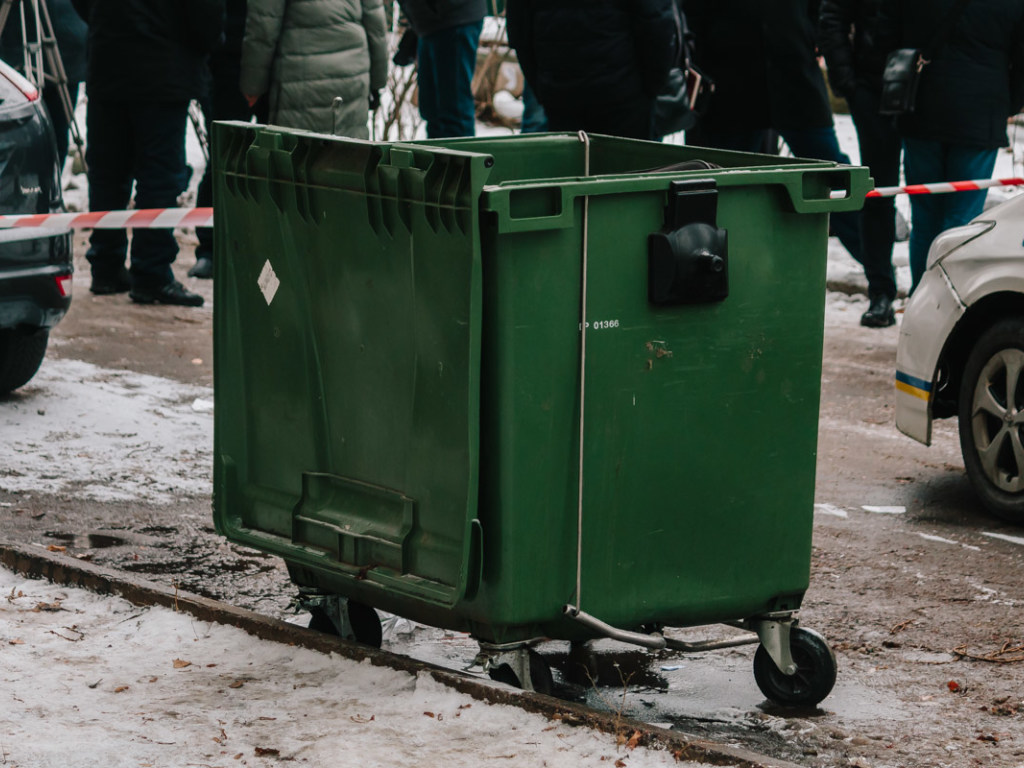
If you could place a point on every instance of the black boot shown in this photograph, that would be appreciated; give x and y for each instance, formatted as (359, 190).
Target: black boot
(880, 313)
(202, 268)
(107, 283)
(169, 293)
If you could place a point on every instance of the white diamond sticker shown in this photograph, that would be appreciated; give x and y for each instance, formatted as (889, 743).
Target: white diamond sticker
(268, 282)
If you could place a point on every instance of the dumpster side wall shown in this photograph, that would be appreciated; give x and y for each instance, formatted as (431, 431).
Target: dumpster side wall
(700, 424)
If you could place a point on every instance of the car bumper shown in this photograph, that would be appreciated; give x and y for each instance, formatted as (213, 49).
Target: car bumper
(33, 297)
(929, 318)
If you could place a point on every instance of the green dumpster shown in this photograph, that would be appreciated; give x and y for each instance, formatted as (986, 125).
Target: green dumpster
(556, 386)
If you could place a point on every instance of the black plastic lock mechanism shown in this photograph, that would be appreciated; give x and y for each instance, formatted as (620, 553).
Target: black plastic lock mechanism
(688, 260)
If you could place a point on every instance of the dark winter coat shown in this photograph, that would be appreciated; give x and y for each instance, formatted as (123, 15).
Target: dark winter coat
(975, 81)
(234, 27)
(149, 50)
(429, 16)
(847, 38)
(761, 56)
(68, 30)
(576, 53)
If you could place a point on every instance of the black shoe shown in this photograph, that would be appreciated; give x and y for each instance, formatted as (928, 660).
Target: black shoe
(110, 283)
(203, 268)
(879, 314)
(169, 293)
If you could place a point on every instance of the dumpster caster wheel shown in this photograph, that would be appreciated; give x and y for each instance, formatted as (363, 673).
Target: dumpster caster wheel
(363, 620)
(540, 674)
(814, 677)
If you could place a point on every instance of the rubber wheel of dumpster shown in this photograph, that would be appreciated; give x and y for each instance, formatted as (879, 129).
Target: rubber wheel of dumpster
(991, 396)
(364, 620)
(815, 671)
(543, 681)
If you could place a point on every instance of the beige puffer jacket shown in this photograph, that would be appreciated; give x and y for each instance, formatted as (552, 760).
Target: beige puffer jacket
(306, 53)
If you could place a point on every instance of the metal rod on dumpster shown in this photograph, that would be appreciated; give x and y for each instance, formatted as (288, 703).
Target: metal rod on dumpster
(583, 372)
(710, 645)
(654, 641)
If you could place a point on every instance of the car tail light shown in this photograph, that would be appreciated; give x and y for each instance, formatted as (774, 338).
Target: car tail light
(64, 285)
(18, 81)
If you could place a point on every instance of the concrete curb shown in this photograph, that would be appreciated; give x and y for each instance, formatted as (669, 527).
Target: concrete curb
(68, 571)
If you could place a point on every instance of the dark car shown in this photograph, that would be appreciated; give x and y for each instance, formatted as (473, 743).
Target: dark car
(35, 273)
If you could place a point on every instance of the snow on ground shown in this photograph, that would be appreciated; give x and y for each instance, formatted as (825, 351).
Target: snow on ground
(82, 431)
(93, 680)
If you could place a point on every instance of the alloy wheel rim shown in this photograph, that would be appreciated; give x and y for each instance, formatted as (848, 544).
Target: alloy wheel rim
(996, 420)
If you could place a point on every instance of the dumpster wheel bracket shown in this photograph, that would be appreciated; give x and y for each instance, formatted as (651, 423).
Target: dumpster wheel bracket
(348, 619)
(774, 632)
(516, 664)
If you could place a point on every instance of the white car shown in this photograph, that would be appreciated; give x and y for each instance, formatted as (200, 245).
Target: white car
(961, 352)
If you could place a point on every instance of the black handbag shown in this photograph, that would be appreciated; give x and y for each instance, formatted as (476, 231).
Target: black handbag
(900, 79)
(903, 68)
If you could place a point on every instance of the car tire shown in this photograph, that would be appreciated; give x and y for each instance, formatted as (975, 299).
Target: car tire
(21, 354)
(991, 419)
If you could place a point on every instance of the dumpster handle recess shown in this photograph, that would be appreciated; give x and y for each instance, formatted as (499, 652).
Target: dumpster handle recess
(822, 190)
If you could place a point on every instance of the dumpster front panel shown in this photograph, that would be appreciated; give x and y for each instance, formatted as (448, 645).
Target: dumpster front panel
(700, 426)
(347, 347)
(700, 420)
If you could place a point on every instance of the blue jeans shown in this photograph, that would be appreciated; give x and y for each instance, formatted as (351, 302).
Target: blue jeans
(446, 61)
(812, 143)
(534, 118)
(144, 143)
(927, 162)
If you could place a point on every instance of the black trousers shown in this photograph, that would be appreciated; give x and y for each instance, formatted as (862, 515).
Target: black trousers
(223, 101)
(142, 143)
(880, 151)
(59, 118)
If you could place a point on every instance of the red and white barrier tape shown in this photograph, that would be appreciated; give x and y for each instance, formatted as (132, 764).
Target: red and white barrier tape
(149, 218)
(944, 187)
(156, 218)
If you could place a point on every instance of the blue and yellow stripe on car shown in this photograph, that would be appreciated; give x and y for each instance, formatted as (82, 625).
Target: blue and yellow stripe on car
(913, 385)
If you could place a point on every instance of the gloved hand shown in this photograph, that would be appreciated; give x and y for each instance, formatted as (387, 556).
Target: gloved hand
(374, 100)
(405, 53)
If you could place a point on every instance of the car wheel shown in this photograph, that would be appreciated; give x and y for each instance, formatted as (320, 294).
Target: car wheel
(21, 354)
(991, 418)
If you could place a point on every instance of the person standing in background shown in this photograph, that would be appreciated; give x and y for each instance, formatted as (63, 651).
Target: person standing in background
(596, 66)
(69, 31)
(222, 100)
(534, 120)
(847, 38)
(145, 63)
(321, 63)
(972, 85)
(763, 60)
(449, 35)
